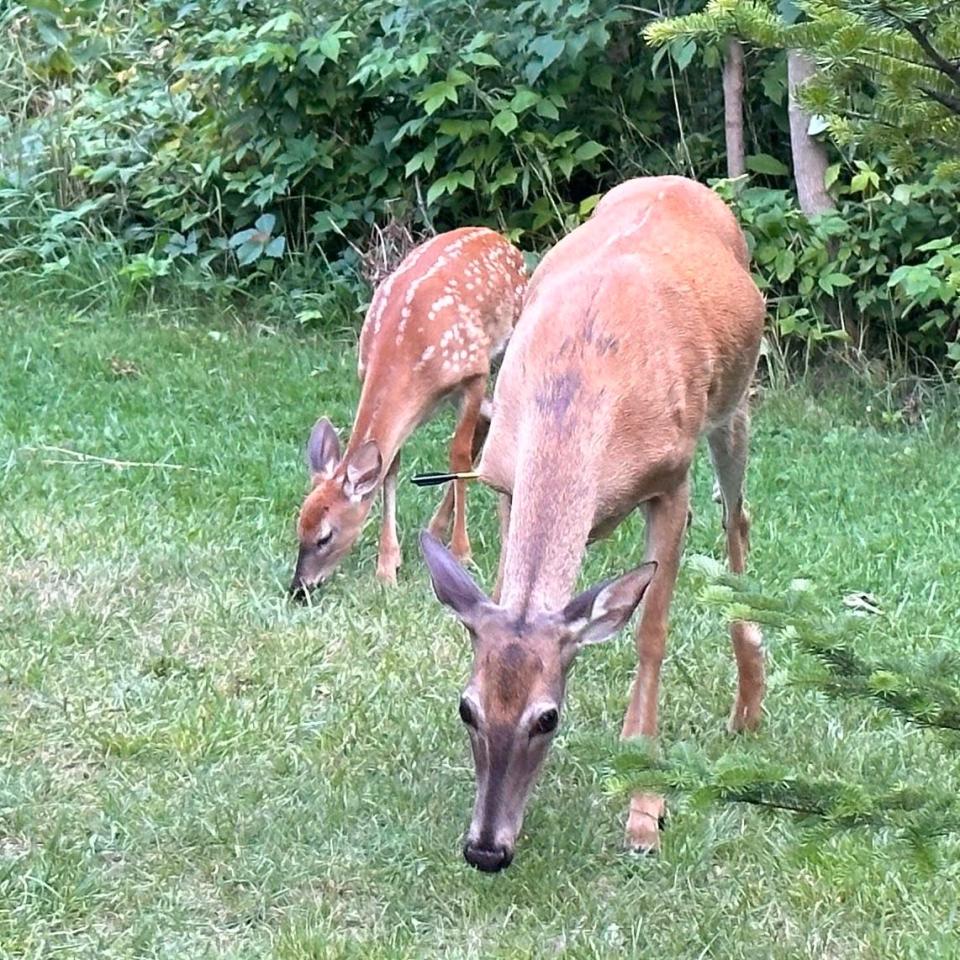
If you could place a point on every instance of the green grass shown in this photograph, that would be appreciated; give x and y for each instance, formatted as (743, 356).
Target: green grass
(192, 767)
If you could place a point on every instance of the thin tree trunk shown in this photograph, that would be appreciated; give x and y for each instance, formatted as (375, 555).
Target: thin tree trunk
(733, 107)
(809, 155)
(809, 172)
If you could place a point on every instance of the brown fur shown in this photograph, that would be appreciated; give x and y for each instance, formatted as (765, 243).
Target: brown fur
(640, 333)
(430, 332)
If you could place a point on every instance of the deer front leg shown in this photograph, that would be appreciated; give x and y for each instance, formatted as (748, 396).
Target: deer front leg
(666, 524)
(439, 524)
(461, 460)
(388, 557)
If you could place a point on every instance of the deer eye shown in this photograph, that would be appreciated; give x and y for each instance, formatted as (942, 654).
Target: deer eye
(324, 539)
(546, 722)
(466, 713)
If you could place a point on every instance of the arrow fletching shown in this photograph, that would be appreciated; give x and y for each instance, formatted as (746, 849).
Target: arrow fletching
(435, 479)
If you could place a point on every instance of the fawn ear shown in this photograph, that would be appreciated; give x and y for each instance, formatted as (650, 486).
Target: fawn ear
(454, 587)
(598, 613)
(363, 470)
(323, 449)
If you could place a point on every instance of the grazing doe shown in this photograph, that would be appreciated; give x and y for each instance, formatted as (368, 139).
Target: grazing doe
(430, 333)
(640, 333)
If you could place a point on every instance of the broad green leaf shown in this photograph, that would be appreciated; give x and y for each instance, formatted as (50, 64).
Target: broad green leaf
(482, 59)
(248, 252)
(682, 52)
(523, 99)
(419, 62)
(587, 204)
(784, 265)
(939, 244)
(588, 150)
(602, 76)
(505, 121)
(548, 48)
(764, 163)
(330, 46)
(437, 189)
(903, 192)
(548, 110)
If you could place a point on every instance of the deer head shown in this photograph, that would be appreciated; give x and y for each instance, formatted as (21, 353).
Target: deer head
(333, 513)
(513, 701)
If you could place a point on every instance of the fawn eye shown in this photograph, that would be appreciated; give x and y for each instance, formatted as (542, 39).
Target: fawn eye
(324, 539)
(546, 722)
(466, 713)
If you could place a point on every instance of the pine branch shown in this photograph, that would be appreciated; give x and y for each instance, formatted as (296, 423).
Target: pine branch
(944, 99)
(945, 66)
(924, 693)
(917, 814)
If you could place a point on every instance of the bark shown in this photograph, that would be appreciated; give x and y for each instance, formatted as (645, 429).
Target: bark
(809, 171)
(733, 107)
(809, 155)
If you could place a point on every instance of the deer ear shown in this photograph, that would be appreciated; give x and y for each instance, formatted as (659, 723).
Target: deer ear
(598, 613)
(454, 587)
(323, 449)
(363, 467)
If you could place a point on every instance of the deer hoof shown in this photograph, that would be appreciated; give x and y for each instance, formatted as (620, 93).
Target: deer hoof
(387, 572)
(644, 824)
(744, 717)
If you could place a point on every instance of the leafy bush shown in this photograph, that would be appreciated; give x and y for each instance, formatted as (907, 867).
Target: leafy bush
(888, 256)
(245, 138)
(182, 124)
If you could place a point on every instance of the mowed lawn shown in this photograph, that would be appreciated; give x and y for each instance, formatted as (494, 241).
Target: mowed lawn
(192, 767)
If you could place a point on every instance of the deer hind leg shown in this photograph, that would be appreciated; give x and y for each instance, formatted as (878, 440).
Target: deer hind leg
(728, 451)
(388, 556)
(461, 460)
(666, 526)
(440, 522)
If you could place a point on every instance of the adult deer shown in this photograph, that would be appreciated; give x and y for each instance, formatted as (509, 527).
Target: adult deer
(431, 330)
(640, 332)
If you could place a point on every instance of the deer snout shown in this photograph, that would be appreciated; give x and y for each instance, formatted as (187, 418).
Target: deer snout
(298, 590)
(305, 577)
(489, 860)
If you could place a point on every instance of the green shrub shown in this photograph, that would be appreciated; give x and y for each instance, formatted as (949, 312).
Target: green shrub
(888, 258)
(184, 123)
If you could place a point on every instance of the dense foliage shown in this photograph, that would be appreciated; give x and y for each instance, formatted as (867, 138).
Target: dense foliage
(231, 137)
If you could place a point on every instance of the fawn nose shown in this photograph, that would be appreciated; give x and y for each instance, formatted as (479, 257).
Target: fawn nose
(489, 860)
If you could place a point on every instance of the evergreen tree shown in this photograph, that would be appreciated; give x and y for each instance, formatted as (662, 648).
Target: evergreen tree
(925, 693)
(887, 71)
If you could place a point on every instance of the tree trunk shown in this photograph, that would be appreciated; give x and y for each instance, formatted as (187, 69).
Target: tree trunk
(809, 172)
(809, 155)
(733, 107)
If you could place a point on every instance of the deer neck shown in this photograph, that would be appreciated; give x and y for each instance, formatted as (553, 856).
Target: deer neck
(385, 418)
(552, 513)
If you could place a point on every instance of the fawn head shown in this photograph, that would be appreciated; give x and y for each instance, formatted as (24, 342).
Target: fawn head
(512, 703)
(333, 512)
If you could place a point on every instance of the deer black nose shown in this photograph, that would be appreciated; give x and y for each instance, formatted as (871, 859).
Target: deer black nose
(488, 860)
(298, 590)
